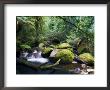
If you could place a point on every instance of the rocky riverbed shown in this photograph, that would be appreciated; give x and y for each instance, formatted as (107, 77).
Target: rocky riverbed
(58, 60)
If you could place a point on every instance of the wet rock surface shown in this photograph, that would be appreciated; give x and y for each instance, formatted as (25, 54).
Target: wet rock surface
(34, 63)
(74, 68)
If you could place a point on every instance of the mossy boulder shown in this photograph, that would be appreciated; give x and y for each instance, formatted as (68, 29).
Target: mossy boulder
(52, 46)
(41, 46)
(64, 46)
(65, 55)
(71, 49)
(46, 52)
(87, 57)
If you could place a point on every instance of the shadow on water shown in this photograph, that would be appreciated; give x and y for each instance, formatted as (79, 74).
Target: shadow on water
(22, 69)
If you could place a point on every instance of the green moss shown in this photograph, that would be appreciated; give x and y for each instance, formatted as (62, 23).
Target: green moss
(87, 57)
(46, 52)
(65, 55)
(41, 46)
(71, 49)
(63, 46)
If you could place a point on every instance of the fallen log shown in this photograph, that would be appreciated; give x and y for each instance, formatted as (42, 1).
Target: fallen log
(36, 66)
(49, 66)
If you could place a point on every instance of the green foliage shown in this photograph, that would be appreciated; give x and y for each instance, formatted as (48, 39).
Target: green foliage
(29, 30)
(87, 57)
(25, 47)
(65, 55)
(53, 30)
(46, 52)
(25, 31)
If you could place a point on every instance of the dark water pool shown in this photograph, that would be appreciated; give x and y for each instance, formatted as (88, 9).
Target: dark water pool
(22, 69)
(26, 67)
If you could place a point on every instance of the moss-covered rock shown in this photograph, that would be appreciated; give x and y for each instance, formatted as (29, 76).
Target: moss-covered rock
(87, 57)
(65, 55)
(52, 46)
(71, 49)
(46, 52)
(64, 46)
(41, 46)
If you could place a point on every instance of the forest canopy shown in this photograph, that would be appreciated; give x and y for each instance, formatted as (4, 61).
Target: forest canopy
(77, 31)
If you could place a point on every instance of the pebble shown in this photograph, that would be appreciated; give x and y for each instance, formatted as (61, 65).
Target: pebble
(77, 70)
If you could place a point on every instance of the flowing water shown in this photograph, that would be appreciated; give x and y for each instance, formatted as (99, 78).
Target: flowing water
(35, 58)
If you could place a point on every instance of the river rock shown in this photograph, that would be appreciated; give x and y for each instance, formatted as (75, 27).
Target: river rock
(46, 52)
(65, 55)
(87, 57)
(64, 46)
(53, 53)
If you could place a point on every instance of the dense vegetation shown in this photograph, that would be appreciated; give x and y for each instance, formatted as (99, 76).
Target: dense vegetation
(51, 30)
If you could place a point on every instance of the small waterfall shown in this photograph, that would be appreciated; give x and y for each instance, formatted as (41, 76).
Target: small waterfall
(39, 55)
(36, 57)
